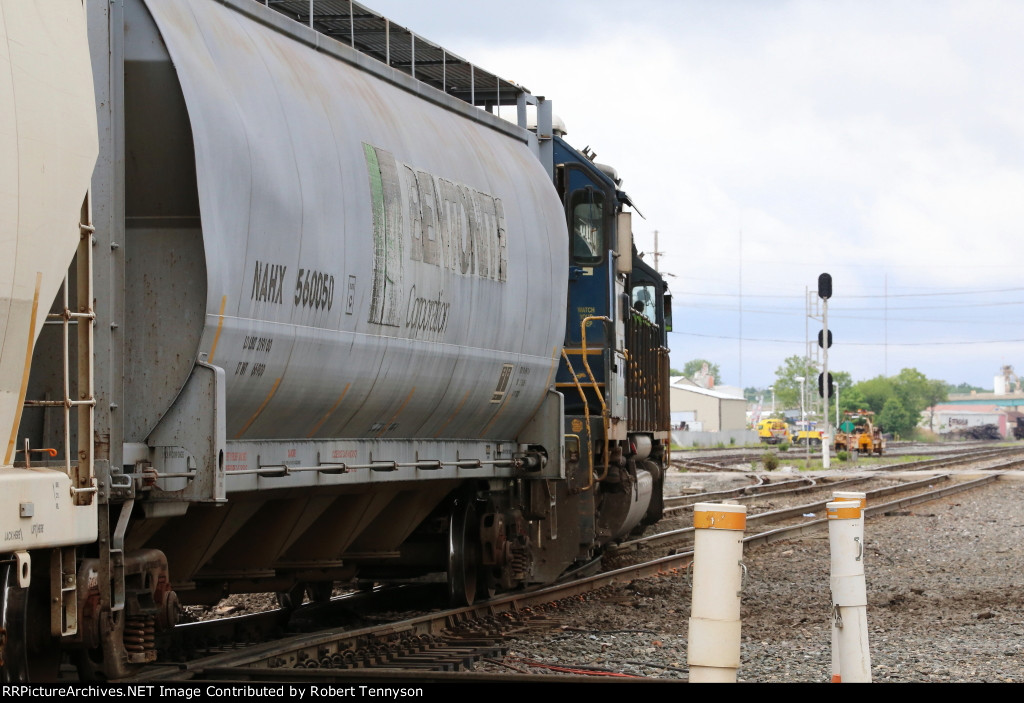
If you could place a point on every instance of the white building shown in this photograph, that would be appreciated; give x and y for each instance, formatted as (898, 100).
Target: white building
(710, 410)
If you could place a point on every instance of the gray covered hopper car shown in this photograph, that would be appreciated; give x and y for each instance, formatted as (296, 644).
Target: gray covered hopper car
(330, 308)
(361, 262)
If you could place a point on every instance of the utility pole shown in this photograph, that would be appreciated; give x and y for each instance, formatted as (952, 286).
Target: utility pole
(657, 252)
(741, 310)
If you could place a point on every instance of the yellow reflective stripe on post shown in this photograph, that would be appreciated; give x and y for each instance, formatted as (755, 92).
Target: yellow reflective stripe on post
(719, 520)
(862, 500)
(851, 513)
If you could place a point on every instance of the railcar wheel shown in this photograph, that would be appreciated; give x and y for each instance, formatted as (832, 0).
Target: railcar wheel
(28, 653)
(13, 614)
(320, 591)
(293, 597)
(463, 553)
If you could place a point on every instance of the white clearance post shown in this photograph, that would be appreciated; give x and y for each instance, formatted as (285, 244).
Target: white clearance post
(862, 499)
(849, 590)
(713, 650)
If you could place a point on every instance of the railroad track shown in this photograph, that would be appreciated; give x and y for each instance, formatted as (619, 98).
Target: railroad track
(760, 487)
(729, 459)
(445, 645)
(959, 459)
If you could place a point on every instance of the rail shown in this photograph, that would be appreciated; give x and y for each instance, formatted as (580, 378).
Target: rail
(352, 654)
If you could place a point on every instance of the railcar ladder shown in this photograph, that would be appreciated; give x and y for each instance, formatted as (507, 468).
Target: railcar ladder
(64, 602)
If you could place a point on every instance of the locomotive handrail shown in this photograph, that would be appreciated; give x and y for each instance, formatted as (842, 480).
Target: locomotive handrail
(600, 395)
(586, 417)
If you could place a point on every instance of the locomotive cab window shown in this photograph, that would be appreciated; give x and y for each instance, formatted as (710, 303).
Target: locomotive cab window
(586, 213)
(644, 297)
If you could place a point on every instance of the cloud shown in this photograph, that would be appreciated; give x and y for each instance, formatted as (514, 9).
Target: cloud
(879, 141)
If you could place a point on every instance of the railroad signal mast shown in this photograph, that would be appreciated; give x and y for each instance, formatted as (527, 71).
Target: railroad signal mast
(825, 378)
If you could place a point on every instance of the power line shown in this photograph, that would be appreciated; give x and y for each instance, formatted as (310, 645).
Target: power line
(873, 296)
(852, 344)
(840, 309)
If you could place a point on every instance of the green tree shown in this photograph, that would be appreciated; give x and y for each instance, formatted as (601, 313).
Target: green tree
(787, 388)
(964, 388)
(914, 391)
(851, 400)
(694, 366)
(912, 388)
(875, 392)
(843, 379)
(895, 418)
(937, 393)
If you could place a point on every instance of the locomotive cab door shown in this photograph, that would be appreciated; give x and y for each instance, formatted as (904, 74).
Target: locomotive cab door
(590, 208)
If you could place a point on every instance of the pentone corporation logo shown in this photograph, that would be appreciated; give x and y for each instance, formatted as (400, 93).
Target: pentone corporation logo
(424, 218)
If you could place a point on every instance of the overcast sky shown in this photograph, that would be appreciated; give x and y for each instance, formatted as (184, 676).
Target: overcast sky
(768, 142)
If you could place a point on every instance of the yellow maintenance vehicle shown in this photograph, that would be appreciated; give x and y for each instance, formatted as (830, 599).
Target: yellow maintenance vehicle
(773, 431)
(859, 433)
(806, 434)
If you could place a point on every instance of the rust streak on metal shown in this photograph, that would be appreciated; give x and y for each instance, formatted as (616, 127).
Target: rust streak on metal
(453, 415)
(256, 414)
(25, 373)
(316, 428)
(397, 412)
(220, 324)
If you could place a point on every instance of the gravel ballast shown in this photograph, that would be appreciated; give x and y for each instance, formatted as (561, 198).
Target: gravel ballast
(945, 583)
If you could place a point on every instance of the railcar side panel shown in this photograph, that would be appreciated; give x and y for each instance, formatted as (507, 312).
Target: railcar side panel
(377, 266)
(49, 146)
